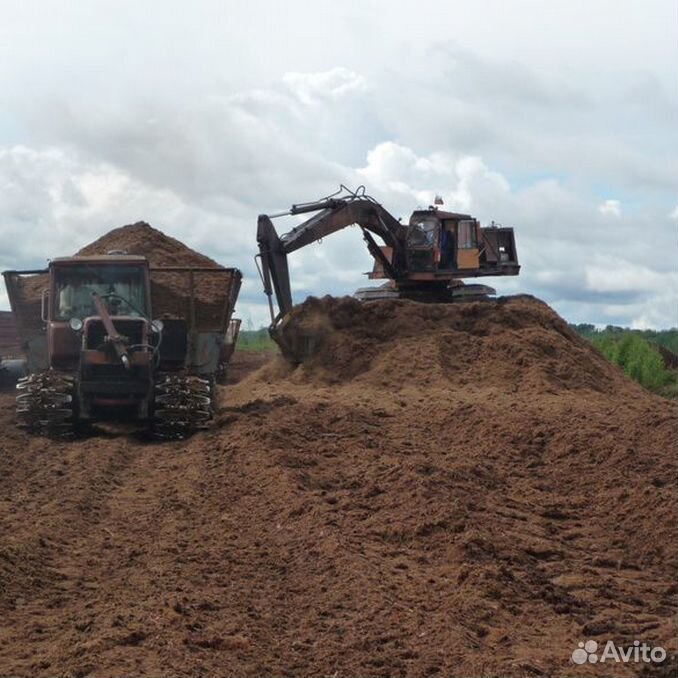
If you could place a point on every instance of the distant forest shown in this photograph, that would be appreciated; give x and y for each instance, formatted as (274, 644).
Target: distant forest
(647, 356)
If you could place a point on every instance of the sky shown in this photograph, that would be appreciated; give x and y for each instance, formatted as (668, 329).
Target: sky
(557, 118)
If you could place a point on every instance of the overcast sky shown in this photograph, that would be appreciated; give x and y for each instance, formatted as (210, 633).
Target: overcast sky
(556, 117)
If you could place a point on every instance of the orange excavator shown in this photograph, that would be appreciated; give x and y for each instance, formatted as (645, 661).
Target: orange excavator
(425, 259)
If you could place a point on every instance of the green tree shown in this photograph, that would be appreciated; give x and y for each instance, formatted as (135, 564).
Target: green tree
(636, 356)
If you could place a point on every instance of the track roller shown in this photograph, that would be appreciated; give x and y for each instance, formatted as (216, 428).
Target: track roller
(183, 405)
(44, 404)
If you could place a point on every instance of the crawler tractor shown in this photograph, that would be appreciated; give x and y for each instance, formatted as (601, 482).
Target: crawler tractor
(95, 350)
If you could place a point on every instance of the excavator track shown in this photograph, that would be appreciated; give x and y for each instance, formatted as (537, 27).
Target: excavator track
(448, 294)
(183, 405)
(45, 404)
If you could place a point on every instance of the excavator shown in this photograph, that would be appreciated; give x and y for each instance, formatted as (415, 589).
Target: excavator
(425, 259)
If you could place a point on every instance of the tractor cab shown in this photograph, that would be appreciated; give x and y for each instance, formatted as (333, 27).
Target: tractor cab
(82, 290)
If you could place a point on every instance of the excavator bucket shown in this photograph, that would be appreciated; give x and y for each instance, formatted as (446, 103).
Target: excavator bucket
(299, 340)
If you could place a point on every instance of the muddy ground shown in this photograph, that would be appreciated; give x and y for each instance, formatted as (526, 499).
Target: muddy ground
(470, 495)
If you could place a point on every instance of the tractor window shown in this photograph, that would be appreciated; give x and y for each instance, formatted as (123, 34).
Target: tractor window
(121, 287)
(467, 234)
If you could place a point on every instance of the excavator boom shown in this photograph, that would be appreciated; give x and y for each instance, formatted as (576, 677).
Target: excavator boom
(333, 214)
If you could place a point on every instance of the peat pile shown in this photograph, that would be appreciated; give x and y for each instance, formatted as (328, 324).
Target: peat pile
(518, 343)
(466, 490)
(215, 292)
(144, 240)
(170, 291)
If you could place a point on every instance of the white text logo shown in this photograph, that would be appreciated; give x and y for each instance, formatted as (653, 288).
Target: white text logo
(589, 652)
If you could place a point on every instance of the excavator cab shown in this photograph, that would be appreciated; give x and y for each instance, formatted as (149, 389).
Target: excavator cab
(442, 242)
(423, 243)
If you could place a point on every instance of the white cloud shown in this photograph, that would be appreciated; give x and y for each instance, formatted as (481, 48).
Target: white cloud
(333, 84)
(404, 178)
(613, 274)
(567, 253)
(610, 208)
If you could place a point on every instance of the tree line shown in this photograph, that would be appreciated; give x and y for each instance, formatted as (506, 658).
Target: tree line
(638, 353)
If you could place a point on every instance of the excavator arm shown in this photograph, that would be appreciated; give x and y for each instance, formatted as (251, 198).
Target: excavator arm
(332, 215)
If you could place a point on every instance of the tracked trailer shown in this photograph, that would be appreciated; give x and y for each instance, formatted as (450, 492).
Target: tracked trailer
(112, 337)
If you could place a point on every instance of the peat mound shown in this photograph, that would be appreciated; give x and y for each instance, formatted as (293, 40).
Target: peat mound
(515, 342)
